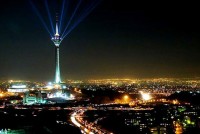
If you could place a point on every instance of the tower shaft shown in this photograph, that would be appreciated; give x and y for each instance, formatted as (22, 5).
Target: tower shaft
(57, 60)
(57, 40)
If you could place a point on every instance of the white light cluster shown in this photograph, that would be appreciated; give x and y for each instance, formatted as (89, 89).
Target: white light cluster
(18, 86)
(145, 96)
(17, 90)
(61, 95)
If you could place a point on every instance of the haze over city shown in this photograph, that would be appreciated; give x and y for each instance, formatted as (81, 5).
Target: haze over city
(118, 39)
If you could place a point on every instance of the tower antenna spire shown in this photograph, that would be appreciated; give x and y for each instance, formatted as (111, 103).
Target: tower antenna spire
(57, 20)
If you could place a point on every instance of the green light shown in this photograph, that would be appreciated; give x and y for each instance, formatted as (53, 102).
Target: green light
(181, 109)
(188, 121)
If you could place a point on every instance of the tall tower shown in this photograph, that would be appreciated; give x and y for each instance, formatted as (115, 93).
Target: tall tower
(57, 40)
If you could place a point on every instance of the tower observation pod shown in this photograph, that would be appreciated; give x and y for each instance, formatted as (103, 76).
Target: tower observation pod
(57, 40)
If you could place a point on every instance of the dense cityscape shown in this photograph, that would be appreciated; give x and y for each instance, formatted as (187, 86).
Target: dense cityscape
(101, 106)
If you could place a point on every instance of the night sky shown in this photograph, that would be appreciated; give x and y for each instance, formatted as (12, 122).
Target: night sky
(118, 39)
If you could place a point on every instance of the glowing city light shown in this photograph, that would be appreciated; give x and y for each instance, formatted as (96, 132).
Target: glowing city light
(1, 95)
(18, 86)
(74, 120)
(61, 95)
(145, 96)
(125, 97)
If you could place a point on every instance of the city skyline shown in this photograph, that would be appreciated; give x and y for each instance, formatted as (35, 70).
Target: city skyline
(116, 40)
